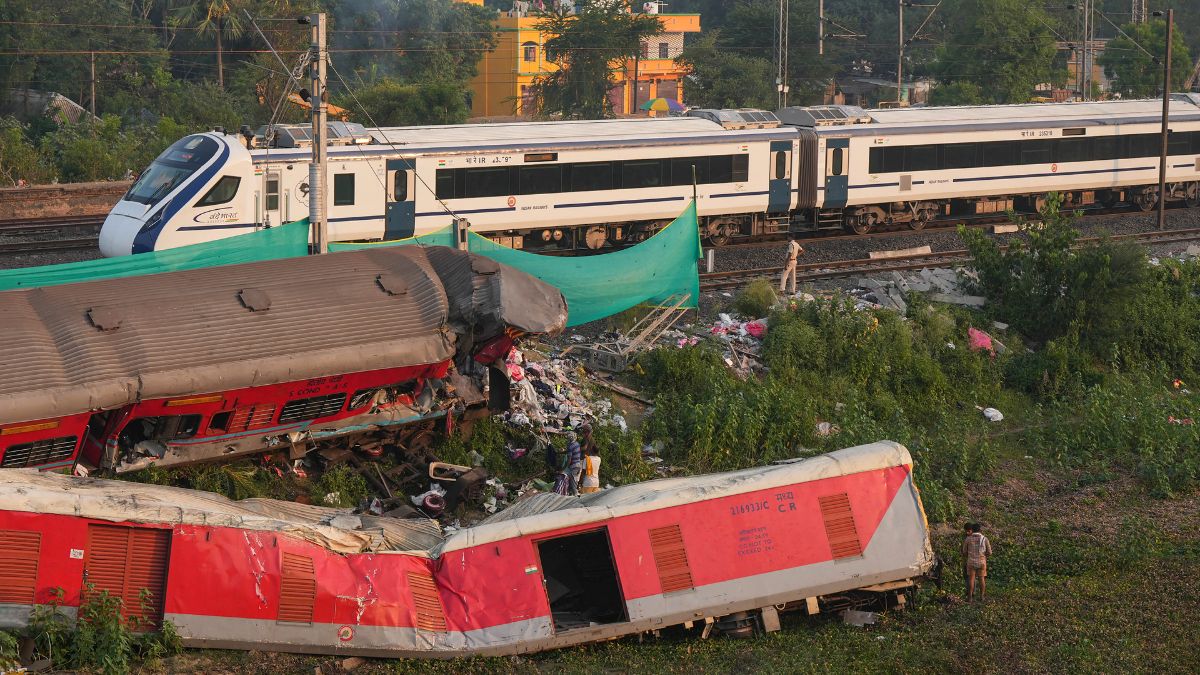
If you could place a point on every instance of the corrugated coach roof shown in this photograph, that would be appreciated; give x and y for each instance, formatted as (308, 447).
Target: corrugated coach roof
(1032, 112)
(77, 347)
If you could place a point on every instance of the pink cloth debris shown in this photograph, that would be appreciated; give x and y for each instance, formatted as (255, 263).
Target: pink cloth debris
(980, 341)
(756, 329)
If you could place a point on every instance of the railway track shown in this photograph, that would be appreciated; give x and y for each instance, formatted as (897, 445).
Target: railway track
(50, 245)
(849, 268)
(39, 225)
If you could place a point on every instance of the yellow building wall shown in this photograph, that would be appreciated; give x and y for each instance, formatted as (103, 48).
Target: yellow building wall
(504, 73)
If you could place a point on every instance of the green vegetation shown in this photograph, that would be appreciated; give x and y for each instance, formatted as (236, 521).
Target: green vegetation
(1134, 73)
(757, 299)
(101, 640)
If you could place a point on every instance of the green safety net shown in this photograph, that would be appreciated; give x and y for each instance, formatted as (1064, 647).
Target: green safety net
(442, 237)
(597, 286)
(662, 267)
(285, 241)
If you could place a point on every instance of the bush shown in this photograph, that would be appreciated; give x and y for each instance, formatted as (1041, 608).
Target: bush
(756, 300)
(343, 485)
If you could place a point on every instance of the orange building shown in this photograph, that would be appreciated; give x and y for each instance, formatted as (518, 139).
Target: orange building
(502, 87)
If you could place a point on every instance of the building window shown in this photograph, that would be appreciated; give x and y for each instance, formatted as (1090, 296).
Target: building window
(343, 189)
(529, 52)
(645, 50)
(664, 50)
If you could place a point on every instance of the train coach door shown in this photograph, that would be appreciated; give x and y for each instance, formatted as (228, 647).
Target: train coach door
(400, 218)
(837, 172)
(581, 582)
(779, 199)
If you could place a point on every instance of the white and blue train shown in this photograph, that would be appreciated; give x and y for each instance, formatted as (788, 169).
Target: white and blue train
(590, 185)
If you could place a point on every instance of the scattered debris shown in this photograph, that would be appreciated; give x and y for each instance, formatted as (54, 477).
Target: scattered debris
(993, 415)
(854, 617)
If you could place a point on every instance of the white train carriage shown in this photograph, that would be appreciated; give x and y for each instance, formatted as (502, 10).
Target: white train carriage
(561, 184)
(911, 165)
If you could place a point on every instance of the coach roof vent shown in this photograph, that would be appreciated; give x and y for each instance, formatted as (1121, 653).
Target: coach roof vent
(254, 299)
(105, 319)
(738, 118)
(824, 116)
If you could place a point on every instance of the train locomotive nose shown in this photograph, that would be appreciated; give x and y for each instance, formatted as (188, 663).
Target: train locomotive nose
(117, 234)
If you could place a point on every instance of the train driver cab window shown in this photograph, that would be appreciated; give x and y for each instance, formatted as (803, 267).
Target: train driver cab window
(343, 189)
(222, 192)
(400, 186)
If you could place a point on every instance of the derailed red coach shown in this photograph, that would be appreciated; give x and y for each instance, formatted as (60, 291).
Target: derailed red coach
(374, 347)
(550, 571)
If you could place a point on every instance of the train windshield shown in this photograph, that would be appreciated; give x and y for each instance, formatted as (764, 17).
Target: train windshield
(171, 168)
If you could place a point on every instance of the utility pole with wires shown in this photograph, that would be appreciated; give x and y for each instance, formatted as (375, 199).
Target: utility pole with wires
(92, 62)
(1166, 131)
(902, 44)
(317, 214)
(781, 49)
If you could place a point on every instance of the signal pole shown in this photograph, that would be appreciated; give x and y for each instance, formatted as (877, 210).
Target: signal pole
(317, 214)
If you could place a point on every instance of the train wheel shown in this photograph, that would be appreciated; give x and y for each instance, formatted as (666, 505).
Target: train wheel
(1145, 199)
(921, 219)
(1191, 195)
(858, 224)
(595, 237)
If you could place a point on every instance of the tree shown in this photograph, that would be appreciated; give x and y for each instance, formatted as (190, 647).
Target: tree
(956, 93)
(1004, 47)
(1133, 72)
(389, 103)
(587, 46)
(215, 17)
(720, 79)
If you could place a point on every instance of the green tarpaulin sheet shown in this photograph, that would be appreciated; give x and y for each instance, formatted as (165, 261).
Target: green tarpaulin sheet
(285, 241)
(597, 286)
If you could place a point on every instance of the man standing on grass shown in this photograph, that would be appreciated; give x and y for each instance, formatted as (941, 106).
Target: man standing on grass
(976, 549)
(794, 249)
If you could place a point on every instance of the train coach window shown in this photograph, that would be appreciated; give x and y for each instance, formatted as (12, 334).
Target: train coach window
(921, 158)
(445, 184)
(1140, 145)
(311, 408)
(153, 431)
(1071, 150)
(343, 189)
(1104, 148)
(535, 180)
(780, 165)
(838, 162)
(41, 452)
(681, 170)
(222, 192)
(590, 176)
(641, 173)
(486, 183)
(960, 156)
(391, 392)
(1179, 144)
(1035, 152)
(720, 169)
(741, 169)
(1000, 153)
(245, 418)
(273, 192)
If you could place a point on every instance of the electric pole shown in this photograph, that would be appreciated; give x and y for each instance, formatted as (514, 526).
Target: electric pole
(1166, 112)
(316, 171)
(899, 51)
(820, 27)
(92, 61)
(781, 44)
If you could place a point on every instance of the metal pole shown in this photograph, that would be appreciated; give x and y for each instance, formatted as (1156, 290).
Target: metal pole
(899, 50)
(1166, 111)
(821, 27)
(787, 24)
(636, 61)
(316, 170)
(92, 60)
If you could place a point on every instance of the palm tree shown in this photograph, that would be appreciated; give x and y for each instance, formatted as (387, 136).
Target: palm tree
(216, 17)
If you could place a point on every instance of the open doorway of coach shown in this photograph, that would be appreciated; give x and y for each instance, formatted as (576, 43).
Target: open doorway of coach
(581, 580)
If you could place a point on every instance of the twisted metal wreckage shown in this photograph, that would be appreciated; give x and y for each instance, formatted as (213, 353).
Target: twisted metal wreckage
(369, 347)
(729, 551)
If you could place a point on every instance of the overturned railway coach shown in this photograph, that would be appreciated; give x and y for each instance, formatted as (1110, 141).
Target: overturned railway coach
(375, 347)
(730, 550)
(597, 184)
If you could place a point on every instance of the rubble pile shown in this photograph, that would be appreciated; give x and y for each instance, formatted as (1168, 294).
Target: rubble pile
(942, 285)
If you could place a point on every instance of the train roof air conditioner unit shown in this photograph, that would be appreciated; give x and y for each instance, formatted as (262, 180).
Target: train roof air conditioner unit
(738, 118)
(823, 116)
